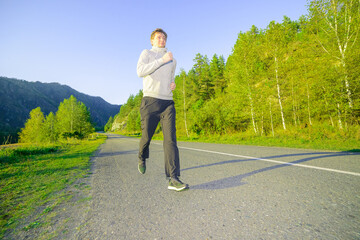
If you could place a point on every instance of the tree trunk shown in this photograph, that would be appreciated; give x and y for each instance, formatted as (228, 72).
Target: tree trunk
(252, 111)
(262, 123)
(308, 96)
(347, 85)
(327, 108)
(187, 133)
(272, 124)
(294, 104)
(279, 94)
(339, 115)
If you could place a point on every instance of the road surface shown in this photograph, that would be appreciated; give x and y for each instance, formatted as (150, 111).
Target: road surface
(236, 192)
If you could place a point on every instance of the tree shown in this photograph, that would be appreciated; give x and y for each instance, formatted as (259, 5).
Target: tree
(217, 67)
(202, 73)
(245, 73)
(73, 119)
(276, 49)
(129, 118)
(32, 132)
(108, 125)
(337, 23)
(49, 130)
(84, 124)
(133, 120)
(180, 99)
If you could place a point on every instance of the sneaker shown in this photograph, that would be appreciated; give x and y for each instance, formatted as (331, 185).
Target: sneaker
(177, 185)
(142, 167)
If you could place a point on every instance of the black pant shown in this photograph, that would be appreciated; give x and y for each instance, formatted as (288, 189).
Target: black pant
(152, 112)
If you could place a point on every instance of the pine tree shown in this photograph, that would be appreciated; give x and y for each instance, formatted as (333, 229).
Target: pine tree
(217, 67)
(202, 73)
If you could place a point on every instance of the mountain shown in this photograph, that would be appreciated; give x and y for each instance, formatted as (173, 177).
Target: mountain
(19, 97)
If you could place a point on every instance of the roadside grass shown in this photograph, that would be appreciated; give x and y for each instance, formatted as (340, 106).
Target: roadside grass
(351, 145)
(318, 136)
(32, 177)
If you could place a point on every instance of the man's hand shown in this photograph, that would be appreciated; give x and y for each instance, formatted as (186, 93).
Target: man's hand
(172, 86)
(167, 57)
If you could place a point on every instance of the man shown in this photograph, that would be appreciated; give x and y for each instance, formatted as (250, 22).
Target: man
(157, 68)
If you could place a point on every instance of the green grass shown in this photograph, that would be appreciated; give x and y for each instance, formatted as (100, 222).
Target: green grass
(318, 136)
(32, 177)
(352, 145)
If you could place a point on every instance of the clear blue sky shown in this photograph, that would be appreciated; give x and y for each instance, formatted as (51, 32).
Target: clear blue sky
(93, 46)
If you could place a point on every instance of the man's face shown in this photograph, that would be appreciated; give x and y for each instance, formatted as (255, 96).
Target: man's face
(159, 40)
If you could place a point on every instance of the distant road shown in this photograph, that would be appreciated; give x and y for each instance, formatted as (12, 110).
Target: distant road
(236, 192)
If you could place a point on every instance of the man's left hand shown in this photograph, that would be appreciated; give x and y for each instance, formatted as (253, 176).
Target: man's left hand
(172, 86)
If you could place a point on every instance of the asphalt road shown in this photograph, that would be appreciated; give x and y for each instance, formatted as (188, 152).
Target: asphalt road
(236, 192)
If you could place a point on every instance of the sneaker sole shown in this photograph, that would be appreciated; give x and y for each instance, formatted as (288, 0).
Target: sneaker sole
(178, 189)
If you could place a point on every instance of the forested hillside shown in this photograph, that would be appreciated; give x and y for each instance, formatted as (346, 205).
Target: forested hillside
(18, 98)
(295, 78)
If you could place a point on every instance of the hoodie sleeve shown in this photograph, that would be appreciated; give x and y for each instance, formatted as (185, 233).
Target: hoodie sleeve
(145, 67)
(173, 71)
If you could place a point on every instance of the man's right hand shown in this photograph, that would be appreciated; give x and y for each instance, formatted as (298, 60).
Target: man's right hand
(167, 57)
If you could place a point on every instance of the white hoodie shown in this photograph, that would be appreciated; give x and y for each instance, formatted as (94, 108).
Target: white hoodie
(156, 75)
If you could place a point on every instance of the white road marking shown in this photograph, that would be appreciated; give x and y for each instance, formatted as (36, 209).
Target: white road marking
(269, 160)
(272, 161)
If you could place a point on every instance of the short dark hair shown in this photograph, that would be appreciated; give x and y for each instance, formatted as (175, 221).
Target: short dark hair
(158, 30)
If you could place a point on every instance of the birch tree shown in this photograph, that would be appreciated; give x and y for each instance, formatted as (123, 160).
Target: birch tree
(338, 27)
(275, 42)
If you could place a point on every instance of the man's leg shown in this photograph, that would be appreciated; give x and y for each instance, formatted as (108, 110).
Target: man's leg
(171, 152)
(149, 122)
(148, 127)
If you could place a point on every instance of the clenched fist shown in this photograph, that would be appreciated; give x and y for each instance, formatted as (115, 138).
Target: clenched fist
(167, 57)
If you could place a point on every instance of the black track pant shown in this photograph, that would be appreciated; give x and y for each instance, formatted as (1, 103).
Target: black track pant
(152, 111)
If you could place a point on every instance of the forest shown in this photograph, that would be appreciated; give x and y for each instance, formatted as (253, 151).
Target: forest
(291, 78)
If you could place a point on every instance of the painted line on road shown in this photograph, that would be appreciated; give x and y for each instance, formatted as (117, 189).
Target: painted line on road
(272, 161)
(268, 160)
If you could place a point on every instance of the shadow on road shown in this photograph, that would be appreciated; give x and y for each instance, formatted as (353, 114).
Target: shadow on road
(109, 154)
(238, 180)
(116, 136)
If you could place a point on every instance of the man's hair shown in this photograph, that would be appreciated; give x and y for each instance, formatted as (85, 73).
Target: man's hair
(158, 30)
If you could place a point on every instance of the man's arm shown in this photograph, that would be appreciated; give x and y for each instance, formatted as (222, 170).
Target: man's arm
(172, 84)
(145, 68)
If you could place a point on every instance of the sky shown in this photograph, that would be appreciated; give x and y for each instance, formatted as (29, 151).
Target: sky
(93, 45)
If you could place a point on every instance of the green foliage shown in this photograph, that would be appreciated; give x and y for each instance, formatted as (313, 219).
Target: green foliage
(108, 125)
(72, 120)
(32, 132)
(50, 131)
(276, 81)
(133, 121)
(19, 97)
(128, 119)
